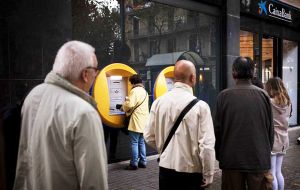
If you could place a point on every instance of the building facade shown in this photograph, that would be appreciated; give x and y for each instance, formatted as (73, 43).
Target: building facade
(135, 32)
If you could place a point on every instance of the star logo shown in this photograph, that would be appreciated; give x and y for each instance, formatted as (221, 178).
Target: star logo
(262, 7)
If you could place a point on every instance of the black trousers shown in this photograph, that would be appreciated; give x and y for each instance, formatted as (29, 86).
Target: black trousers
(173, 180)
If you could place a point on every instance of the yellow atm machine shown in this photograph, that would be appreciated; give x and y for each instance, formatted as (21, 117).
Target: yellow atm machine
(164, 82)
(110, 88)
(165, 79)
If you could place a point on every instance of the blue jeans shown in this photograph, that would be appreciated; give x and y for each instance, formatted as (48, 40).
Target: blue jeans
(138, 149)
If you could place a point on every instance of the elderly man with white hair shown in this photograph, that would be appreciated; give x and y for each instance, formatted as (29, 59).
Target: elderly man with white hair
(61, 143)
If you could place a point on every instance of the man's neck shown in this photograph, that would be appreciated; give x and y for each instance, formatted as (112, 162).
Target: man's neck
(242, 81)
(79, 85)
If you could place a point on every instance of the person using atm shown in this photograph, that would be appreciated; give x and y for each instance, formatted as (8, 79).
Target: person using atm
(137, 106)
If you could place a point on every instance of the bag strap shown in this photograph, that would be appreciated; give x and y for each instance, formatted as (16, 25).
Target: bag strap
(140, 103)
(177, 122)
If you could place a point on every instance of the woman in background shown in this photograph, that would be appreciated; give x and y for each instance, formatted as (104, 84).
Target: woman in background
(281, 109)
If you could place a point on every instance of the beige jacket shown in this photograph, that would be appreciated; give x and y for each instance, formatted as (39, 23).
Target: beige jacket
(61, 143)
(140, 115)
(191, 149)
(281, 115)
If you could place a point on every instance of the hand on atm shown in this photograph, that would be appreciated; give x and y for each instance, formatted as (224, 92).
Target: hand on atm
(118, 106)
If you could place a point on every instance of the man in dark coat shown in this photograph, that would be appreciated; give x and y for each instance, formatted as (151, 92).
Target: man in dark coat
(244, 131)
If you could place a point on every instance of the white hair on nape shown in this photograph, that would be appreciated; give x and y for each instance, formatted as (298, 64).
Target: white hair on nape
(72, 58)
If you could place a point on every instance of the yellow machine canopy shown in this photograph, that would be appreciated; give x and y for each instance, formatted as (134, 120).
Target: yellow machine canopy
(110, 88)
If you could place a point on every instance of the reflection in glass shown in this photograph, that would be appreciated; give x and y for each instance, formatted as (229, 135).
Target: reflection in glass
(246, 44)
(249, 47)
(267, 59)
(166, 30)
(290, 74)
(97, 22)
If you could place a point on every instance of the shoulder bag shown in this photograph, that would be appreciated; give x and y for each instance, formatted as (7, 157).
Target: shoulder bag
(127, 118)
(176, 124)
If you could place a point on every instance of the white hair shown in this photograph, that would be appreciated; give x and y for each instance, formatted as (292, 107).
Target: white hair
(72, 58)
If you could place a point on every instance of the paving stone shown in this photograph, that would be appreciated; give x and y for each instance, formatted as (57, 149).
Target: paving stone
(147, 179)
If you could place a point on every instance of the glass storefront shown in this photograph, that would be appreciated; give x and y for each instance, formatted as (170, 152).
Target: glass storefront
(265, 64)
(154, 29)
(143, 32)
(267, 59)
(150, 30)
(290, 74)
(249, 47)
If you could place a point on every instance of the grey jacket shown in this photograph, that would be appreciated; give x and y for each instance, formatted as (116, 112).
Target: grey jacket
(244, 128)
(281, 116)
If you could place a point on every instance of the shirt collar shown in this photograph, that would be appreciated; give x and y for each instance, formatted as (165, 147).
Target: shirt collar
(183, 86)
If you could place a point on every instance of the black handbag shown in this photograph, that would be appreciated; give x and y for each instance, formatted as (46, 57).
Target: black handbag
(126, 124)
(127, 119)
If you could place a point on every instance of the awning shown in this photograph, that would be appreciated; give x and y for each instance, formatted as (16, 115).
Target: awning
(171, 58)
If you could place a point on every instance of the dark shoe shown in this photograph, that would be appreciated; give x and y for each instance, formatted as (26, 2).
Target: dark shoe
(131, 167)
(142, 165)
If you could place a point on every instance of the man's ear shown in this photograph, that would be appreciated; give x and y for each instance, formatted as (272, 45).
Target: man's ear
(234, 75)
(84, 75)
(193, 79)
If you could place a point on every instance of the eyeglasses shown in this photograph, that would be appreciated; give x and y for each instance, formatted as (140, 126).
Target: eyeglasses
(94, 68)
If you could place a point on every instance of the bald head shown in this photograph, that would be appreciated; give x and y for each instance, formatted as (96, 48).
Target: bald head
(185, 72)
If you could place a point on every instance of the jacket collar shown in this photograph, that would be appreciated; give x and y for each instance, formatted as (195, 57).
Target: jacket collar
(138, 85)
(55, 79)
(243, 82)
(183, 86)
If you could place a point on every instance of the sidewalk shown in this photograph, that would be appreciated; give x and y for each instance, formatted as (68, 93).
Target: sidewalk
(147, 179)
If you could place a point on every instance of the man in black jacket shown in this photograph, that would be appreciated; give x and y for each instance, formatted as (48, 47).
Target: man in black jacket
(244, 131)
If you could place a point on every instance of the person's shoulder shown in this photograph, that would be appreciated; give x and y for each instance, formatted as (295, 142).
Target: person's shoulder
(260, 90)
(70, 101)
(138, 89)
(161, 100)
(37, 89)
(76, 101)
(156, 101)
(202, 104)
(226, 91)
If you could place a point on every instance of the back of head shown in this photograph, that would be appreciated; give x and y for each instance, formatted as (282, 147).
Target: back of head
(243, 68)
(277, 90)
(135, 79)
(185, 72)
(72, 58)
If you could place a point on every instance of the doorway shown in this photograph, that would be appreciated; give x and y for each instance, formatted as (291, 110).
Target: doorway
(262, 50)
(273, 57)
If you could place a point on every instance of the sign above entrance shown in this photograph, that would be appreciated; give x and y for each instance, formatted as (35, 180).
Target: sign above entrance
(273, 10)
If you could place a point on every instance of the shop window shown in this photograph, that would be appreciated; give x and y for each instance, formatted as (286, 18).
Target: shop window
(290, 74)
(246, 44)
(249, 47)
(267, 58)
(175, 30)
